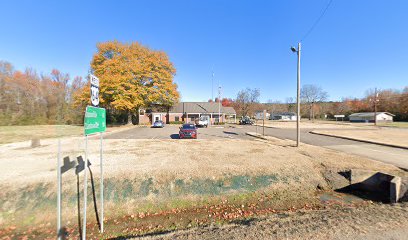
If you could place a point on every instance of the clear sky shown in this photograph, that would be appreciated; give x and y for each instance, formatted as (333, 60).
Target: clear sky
(356, 46)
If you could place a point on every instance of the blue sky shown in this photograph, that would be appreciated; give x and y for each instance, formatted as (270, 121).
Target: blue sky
(356, 46)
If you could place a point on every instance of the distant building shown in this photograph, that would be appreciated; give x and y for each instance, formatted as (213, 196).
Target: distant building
(260, 115)
(189, 112)
(286, 116)
(369, 117)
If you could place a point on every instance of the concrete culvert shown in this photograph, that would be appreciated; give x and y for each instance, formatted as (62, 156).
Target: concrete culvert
(376, 186)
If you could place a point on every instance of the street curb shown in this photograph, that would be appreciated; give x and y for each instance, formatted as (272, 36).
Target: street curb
(265, 126)
(360, 140)
(256, 135)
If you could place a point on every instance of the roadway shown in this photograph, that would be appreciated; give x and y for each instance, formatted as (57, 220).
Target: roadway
(394, 156)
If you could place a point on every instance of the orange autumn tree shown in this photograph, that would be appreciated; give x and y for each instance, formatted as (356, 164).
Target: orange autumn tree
(132, 76)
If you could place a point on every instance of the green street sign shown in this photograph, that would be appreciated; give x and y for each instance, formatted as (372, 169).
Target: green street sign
(95, 120)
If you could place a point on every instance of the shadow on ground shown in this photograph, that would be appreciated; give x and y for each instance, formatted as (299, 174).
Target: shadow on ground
(174, 136)
(233, 133)
(123, 237)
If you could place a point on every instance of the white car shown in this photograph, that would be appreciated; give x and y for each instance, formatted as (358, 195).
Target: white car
(202, 122)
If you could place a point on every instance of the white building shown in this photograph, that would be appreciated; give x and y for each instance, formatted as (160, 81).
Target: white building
(369, 117)
(260, 115)
(286, 116)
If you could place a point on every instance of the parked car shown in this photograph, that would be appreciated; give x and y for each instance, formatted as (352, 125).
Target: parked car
(158, 124)
(188, 130)
(202, 122)
(246, 121)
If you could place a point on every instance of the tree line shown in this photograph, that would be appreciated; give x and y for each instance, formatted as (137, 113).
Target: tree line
(131, 76)
(315, 104)
(27, 97)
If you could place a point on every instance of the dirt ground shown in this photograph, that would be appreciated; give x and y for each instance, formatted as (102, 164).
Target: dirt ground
(158, 175)
(393, 136)
(375, 221)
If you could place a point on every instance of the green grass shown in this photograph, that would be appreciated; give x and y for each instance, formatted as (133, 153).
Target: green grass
(9, 134)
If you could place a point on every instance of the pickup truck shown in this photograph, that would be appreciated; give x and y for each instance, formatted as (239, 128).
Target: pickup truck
(202, 122)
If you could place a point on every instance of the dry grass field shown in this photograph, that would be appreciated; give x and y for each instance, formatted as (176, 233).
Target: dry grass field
(150, 176)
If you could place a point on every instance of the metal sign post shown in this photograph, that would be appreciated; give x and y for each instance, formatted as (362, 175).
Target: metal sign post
(59, 191)
(94, 122)
(101, 185)
(61, 233)
(85, 188)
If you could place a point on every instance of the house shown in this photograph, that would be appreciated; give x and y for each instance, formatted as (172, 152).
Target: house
(286, 116)
(189, 112)
(260, 115)
(369, 117)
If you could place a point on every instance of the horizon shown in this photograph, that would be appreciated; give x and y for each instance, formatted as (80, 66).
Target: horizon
(235, 41)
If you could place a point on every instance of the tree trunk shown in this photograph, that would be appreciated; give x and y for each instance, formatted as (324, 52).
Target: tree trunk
(313, 115)
(168, 115)
(129, 118)
(135, 117)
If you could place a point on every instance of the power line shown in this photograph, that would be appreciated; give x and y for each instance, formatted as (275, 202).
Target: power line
(317, 21)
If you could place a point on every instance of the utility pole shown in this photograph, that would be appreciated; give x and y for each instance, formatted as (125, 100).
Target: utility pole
(212, 86)
(375, 106)
(219, 103)
(298, 50)
(263, 123)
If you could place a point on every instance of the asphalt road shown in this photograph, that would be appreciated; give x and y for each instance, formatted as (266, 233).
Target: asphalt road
(395, 156)
(171, 132)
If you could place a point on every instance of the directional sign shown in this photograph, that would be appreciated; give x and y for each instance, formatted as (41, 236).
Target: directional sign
(94, 90)
(95, 120)
(339, 116)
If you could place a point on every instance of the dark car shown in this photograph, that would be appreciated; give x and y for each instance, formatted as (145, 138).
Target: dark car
(188, 130)
(246, 121)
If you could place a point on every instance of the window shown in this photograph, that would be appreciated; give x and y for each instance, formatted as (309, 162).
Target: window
(177, 119)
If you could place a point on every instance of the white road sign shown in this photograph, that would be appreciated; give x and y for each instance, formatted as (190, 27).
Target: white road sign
(94, 90)
(339, 116)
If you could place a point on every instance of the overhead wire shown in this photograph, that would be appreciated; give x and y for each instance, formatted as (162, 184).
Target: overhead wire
(317, 21)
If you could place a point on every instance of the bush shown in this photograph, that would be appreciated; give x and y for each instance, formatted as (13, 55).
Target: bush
(176, 122)
(219, 123)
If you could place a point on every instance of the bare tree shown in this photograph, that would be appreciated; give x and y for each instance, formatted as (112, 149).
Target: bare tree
(246, 99)
(291, 104)
(312, 94)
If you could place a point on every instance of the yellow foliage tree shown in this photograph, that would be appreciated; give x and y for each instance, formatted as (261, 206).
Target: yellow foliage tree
(132, 76)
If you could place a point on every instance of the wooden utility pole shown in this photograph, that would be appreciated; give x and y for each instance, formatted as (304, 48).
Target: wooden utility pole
(263, 123)
(375, 106)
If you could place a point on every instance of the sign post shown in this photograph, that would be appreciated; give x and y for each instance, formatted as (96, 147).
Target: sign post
(101, 184)
(59, 191)
(94, 122)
